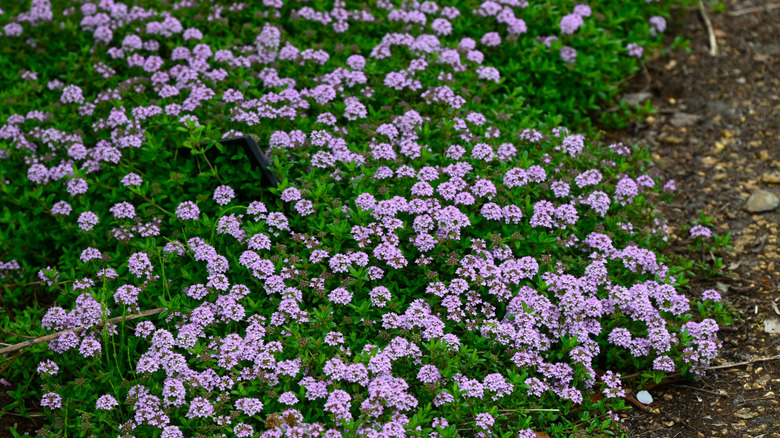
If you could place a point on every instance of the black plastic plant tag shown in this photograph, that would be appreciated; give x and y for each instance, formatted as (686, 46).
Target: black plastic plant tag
(256, 155)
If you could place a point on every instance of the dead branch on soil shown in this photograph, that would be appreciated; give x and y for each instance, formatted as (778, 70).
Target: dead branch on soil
(747, 362)
(707, 391)
(765, 8)
(631, 399)
(710, 31)
(77, 330)
(717, 367)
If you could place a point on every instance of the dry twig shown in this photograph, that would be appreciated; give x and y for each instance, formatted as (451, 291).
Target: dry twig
(747, 362)
(703, 390)
(77, 330)
(717, 367)
(710, 31)
(765, 8)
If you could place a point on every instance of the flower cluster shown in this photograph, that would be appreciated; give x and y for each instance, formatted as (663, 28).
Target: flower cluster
(423, 248)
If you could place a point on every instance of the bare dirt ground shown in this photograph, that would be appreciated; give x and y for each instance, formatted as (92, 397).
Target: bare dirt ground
(717, 133)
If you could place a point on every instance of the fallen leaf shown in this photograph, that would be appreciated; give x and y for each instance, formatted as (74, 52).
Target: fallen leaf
(671, 139)
(745, 414)
(709, 161)
(761, 57)
(771, 178)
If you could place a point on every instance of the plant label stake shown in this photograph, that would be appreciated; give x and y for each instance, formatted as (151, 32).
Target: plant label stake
(258, 158)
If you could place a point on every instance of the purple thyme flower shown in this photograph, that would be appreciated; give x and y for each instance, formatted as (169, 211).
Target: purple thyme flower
(569, 54)
(249, 406)
(380, 296)
(657, 25)
(72, 94)
(485, 421)
(61, 208)
(172, 432)
(139, 264)
(560, 189)
(634, 50)
(90, 254)
(573, 144)
(224, 194)
(664, 363)
(340, 296)
(127, 295)
(48, 367)
(570, 23)
(625, 191)
(429, 374)
(131, 180)
(123, 210)
(614, 386)
(491, 39)
(77, 186)
(582, 10)
(288, 398)
(701, 231)
(106, 402)
(291, 194)
(51, 400)
(200, 407)
(304, 207)
(90, 347)
(599, 202)
(334, 339)
(87, 220)
(711, 295)
(187, 210)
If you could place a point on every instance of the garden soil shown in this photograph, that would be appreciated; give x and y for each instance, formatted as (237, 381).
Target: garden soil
(716, 132)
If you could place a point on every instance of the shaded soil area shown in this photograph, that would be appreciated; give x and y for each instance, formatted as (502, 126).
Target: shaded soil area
(717, 133)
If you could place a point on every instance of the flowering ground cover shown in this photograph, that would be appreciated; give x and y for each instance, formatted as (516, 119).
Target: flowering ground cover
(446, 255)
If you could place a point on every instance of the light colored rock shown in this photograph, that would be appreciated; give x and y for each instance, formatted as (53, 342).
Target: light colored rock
(644, 397)
(684, 119)
(761, 201)
(634, 99)
(772, 325)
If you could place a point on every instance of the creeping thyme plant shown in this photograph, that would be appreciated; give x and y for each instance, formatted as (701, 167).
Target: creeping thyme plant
(451, 251)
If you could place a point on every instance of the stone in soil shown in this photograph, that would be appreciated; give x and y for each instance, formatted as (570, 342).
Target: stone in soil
(761, 201)
(680, 120)
(634, 99)
(723, 109)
